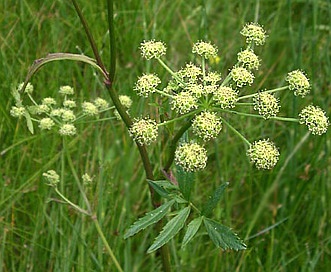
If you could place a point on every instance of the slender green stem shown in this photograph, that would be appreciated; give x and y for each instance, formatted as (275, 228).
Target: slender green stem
(104, 240)
(164, 94)
(179, 118)
(286, 119)
(268, 91)
(89, 36)
(203, 65)
(165, 66)
(236, 132)
(70, 203)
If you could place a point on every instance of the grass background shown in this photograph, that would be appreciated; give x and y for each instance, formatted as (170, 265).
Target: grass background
(282, 214)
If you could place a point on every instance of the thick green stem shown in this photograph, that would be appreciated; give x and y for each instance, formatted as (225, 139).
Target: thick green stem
(112, 46)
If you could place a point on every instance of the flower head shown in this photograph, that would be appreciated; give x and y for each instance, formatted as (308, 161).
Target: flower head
(205, 49)
(254, 33)
(89, 108)
(190, 73)
(152, 49)
(66, 90)
(17, 111)
(315, 119)
(144, 131)
(147, 84)
(67, 130)
(249, 59)
(87, 179)
(67, 115)
(46, 123)
(48, 101)
(267, 105)
(298, 82)
(225, 97)
(69, 103)
(52, 178)
(125, 100)
(213, 78)
(197, 90)
(242, 76)
(101, 104)
(263, 153)
(207, 125)
(184, 102)
(191, 157)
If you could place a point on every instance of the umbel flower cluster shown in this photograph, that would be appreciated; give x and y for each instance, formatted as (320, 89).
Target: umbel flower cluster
(203, 97)
(51, 114)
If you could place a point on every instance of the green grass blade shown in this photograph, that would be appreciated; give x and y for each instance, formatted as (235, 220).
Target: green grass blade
(149, 219)
(170, 229)
(192, 229)
(223, 236)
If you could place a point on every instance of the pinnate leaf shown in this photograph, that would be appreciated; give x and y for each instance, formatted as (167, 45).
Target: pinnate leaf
(149, 219)
(170, 229)
(223, 236)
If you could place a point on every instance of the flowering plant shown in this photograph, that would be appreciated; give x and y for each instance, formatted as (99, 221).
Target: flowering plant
(200, 102)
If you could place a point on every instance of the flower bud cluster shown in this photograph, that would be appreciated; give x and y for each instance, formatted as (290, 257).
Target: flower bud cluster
(315, 119)
(266, 104)
(144, 131)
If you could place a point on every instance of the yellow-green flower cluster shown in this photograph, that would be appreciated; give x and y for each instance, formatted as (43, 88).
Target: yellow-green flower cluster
(184, 102)
(249, 59)
(241, 76)
(17, 111)
(50, 115)
(298, 82)
(191, 157)
(315, 119)
(263, 153)
(254, 33)
(152, 49)
(225, 97)
(267, 104)
(205, 49)
(52, 178)
(206, 125)
(28, 88)
(147, 84)
(144, 131)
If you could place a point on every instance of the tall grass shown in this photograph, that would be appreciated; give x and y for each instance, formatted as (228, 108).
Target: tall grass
(283, 214)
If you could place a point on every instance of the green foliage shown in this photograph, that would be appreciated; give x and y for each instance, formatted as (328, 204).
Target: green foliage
(214, 199)
(170, 229)
(192, 229)
(222, 236)
(150, 218)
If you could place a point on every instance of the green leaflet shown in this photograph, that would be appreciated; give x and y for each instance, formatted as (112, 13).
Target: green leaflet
(192, 229)
(159, 189)
(185, 182)
(170, 229)
(150, 218)
(29, 122)
(214, 199)
(223, 236)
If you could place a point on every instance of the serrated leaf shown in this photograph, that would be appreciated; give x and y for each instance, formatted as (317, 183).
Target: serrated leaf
(214, 199)
(149, 219)
(157, 188)
(185, 182)
(192, 229)
(223, 236)
(170, 229)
